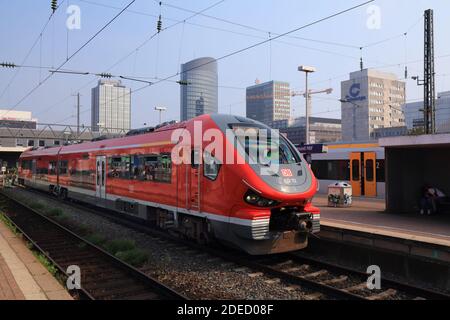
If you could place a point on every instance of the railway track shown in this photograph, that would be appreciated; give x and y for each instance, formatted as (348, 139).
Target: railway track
(324, 280)
(103, 277)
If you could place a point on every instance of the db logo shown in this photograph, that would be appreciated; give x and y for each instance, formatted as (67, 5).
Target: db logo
(286, 172)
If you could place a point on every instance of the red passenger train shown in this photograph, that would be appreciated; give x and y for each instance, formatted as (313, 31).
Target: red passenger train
(207, 198)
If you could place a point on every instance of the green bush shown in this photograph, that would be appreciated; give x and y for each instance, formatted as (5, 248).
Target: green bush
(135, 257)
(96, 239)
(115, 246)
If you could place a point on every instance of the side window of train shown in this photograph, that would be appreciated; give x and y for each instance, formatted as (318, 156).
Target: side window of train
(52, 168)
(355, 170)
(63, 167)
(156, 168)
(26, 164)
(119, 167)
(195, 159)
(211, 166)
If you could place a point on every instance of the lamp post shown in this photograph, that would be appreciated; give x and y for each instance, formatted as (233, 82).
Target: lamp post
(161, 110)
(307, 70)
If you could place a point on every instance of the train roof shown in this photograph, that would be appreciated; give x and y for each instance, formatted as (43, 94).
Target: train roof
(137, 138)
(158, 135)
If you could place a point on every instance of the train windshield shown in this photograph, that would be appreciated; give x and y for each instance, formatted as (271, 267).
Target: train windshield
(263, 146)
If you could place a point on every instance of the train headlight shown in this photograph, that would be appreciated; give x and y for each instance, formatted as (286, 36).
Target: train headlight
(255, 199)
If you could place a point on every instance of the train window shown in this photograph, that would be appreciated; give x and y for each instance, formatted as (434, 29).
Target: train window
(103, 173)
(26, 164)
(52, 168)
(42, 170)
(211, 166)
(263, 146)
(381, 171)
(355, 170)
(369, 170)
(195, 159)
(63, 167)
(156, 168)
(119, 167)
(331, 169)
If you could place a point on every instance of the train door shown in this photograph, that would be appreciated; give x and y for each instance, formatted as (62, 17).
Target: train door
(370, 174)
(355, 173)
(194, 185)
(33, 171)
(100, 190)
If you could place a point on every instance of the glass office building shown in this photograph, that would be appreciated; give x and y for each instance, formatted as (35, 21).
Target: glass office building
(111, 107)
(199, 89)
(268, 102)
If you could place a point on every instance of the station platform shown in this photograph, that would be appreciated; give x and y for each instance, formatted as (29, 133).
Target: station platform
(22, 276)
(369, 216)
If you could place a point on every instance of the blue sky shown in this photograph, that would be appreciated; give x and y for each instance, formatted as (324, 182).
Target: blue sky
(21, 22)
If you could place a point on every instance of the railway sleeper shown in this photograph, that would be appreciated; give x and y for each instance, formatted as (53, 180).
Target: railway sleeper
(335, 281)
(383, 295)
(317, 274)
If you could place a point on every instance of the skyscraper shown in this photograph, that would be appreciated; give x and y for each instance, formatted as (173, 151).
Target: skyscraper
(111, 106)
(371, 100)
(268, 102)
(199, 88)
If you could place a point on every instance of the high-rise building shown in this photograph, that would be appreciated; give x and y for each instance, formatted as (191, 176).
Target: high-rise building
(322, 130)
(199, 88)
(269, 101)
(111, 106)
(414, 116)
(371, 100)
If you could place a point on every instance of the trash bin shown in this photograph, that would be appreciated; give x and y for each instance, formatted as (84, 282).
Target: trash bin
(340, 195)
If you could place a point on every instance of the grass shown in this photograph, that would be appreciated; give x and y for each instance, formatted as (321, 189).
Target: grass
(46, 263)
(96, 239)
(115, 246)
(135, 257)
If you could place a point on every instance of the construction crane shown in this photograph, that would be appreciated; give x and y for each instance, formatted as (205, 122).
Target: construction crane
(308, 104)
(311, 92)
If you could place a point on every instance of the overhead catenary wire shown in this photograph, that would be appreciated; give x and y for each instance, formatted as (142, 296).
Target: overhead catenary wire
(71, 56)
(35, 43)
(135, 50)
(315, 22)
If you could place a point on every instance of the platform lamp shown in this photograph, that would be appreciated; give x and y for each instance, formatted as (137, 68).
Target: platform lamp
(307, 70)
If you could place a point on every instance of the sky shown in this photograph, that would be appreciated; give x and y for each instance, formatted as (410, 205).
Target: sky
(123, 48)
